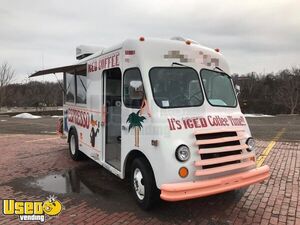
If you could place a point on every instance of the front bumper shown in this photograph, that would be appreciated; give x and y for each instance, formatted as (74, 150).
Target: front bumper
(189, 190)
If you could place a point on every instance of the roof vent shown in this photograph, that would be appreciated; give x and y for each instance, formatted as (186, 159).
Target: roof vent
(83, 51)
(184, 39)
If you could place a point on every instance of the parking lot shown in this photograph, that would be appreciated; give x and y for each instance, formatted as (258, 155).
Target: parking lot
(35, 163)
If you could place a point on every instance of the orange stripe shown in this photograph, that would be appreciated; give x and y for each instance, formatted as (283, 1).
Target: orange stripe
(103, 112)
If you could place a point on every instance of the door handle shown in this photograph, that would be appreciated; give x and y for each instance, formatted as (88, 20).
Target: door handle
(124, 127)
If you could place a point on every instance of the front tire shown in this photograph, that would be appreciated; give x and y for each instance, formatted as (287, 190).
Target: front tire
(75, 153)
(143, 184)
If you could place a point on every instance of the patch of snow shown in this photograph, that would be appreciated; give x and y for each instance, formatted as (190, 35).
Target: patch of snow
(3, 120)
(257, 115)
(27, 116)
(57, 116)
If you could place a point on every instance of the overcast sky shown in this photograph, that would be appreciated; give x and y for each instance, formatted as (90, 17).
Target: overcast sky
(255, 35)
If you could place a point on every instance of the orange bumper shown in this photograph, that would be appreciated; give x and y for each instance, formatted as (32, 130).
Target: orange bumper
(189, 190)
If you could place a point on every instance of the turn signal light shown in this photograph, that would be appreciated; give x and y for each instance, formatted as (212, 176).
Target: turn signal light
(217, 49)
(142, 38)
(183, 172)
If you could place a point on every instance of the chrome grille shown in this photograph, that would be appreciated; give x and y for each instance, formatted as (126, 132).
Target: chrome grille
(217, 145)
(221, 150)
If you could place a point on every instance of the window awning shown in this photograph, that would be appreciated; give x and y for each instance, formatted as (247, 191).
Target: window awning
(59, 70)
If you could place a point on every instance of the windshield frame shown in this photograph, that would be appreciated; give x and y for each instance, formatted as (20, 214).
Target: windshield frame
(232, 86)
(176, 67)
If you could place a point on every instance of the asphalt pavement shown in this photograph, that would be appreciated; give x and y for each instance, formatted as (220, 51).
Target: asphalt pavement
(262, 128)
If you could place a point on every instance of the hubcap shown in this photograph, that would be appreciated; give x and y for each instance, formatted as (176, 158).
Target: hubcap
(138, 184)
(72, 145)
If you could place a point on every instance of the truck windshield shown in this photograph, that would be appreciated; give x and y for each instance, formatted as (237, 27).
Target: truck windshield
(175, 87)
(218, 88)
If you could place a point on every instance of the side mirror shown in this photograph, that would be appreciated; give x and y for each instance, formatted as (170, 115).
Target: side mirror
(237, 89)
(136, 89)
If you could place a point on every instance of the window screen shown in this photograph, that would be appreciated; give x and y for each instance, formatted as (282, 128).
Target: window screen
(81, 87)
(70, 87)
(133, 88)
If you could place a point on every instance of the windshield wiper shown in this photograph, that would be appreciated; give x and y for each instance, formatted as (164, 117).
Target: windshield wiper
(178, 64)
(218, 68)
(223, 73)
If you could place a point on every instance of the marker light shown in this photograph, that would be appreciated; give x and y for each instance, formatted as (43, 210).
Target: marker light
(217, 49)
(188, 42)
(142, 38)
(182, 153)
(183, 172)
(251, 144)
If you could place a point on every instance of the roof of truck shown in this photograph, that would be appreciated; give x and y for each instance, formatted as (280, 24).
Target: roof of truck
(175, 48)
(135, 43)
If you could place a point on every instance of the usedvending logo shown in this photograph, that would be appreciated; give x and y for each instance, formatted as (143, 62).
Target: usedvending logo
(32, 210)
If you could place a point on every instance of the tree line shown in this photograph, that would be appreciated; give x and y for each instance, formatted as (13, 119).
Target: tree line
(30, 94)
(273, 93)
(33, 94)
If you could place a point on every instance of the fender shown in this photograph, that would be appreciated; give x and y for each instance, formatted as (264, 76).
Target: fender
(133, 154)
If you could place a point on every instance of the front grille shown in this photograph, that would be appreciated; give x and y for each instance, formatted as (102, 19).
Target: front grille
(221, 149)
(216, 135)
(217, 155)
(217, 145)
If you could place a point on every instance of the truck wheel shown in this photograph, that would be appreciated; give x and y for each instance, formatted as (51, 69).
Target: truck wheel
(75, 153)
(143, 184)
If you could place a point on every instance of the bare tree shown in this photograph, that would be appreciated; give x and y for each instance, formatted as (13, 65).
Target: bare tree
(6, 77)
(6, 74)
(289, 90)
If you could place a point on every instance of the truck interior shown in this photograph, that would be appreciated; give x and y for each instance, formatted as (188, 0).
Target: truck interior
(112, 100)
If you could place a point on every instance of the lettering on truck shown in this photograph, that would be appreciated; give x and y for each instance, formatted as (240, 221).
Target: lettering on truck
(202, 122)
(79, 117)
(110, 61)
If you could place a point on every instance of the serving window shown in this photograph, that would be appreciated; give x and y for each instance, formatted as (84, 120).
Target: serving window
(70, 87)
(75, 87)
(81, 87)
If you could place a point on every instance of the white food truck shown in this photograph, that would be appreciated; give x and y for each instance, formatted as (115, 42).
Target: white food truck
(163, 113)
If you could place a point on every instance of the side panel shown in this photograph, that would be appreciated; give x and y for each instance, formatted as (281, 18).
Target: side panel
(87, 119)
(92, 135)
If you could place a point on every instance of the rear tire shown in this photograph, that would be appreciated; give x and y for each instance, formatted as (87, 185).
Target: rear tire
(75, 153)
(143, 184)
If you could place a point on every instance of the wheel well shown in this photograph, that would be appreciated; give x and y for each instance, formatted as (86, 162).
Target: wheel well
(131, 156)
(71, 128)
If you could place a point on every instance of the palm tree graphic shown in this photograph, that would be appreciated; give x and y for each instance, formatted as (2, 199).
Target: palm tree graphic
(135, 121)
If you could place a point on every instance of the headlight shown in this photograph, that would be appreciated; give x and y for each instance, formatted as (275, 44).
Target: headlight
(182, 153)
(251, 144)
